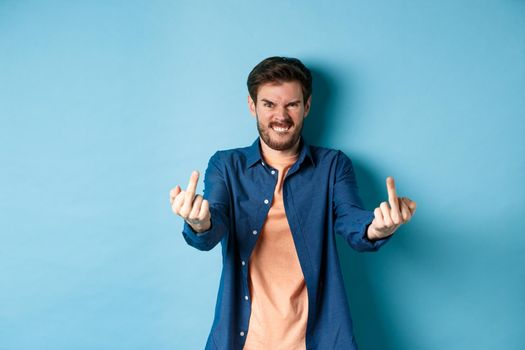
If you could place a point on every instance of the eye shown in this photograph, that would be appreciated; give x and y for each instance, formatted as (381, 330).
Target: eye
(268, 104)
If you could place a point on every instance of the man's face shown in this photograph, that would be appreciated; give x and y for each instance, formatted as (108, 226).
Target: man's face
(280, 111)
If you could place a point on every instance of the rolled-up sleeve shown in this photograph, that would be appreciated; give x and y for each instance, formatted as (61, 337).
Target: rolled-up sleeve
(216, 193)
(351, 219)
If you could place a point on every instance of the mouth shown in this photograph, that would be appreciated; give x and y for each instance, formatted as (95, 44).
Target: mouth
(280, 129)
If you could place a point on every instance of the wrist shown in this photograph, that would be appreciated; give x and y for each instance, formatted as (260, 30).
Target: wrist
(371, 233)
(200, 228)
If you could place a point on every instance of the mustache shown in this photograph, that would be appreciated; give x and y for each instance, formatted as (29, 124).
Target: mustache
(282, 123)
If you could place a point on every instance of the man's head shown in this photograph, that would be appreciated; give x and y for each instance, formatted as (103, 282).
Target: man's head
(280, 90)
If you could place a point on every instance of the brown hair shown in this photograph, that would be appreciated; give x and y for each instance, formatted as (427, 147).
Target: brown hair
(279, 70)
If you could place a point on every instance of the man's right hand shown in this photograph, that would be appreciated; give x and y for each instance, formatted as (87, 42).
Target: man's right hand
(192, 208)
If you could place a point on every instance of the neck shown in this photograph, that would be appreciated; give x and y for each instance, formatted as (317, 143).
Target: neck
(287, 153)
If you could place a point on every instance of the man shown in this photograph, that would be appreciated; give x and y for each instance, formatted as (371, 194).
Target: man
(275, 207)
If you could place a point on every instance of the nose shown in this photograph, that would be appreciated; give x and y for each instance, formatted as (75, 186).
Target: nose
(281, 112)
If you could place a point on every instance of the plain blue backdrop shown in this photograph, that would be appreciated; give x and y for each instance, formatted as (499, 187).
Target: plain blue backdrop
(107, 105)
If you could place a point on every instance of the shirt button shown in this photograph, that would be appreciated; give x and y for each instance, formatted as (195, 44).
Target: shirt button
(243, 263)
(273, 172)
(266, 201)
(254, 232)
(246, 297)
(242, 334)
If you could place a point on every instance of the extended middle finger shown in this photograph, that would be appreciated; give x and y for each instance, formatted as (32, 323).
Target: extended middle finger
(192, 185)
(190, 191)
(393, 200)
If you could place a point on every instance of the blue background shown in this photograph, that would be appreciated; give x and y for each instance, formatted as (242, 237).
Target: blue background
(107, 105)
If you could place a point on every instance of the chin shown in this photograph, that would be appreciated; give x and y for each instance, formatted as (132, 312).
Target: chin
(281, 145)
(279, 141)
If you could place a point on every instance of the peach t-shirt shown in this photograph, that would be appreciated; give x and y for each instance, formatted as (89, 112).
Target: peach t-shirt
(278, 291)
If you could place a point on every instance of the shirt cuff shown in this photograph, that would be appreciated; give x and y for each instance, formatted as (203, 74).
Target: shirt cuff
(363, 243)
(198, 237)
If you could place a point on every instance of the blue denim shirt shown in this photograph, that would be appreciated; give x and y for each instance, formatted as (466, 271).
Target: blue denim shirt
(320, 196)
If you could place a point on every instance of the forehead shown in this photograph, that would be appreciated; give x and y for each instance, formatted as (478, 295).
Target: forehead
(290, 90)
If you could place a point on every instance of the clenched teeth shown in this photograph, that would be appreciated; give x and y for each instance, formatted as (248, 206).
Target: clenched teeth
(278, 129)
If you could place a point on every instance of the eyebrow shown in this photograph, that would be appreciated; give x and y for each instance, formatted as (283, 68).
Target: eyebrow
(289, 103)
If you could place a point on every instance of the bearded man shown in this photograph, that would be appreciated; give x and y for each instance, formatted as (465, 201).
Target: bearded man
(275, 207)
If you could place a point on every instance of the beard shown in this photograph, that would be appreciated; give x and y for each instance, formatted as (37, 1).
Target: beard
(277, 140)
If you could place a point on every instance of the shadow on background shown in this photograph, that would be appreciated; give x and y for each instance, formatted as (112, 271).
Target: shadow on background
(371, 324)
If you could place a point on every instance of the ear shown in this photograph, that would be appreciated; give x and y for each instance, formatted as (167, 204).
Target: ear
(251, 106)
(307, 106)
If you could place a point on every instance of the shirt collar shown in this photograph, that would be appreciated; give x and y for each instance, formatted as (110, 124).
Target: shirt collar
(254, 153)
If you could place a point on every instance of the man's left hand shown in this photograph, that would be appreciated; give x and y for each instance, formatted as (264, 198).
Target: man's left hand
(390, 215)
